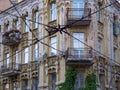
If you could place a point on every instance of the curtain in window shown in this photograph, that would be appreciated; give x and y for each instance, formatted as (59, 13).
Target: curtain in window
(53, 12)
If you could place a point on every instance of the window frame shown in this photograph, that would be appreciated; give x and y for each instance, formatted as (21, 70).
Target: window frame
(36, 51)
(53, 11)
(26, 55)
(100, 12)
(35, 19)
(53, 44)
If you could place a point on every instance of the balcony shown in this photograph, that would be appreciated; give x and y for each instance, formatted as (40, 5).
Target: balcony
(12, 37)
(75, 14)
(10, 69)
(79, 56)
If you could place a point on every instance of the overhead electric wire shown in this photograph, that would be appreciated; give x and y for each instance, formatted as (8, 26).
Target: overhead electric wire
(71, 23)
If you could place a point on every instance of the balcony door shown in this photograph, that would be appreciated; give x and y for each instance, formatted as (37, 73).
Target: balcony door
(78, 8)
(77, 45)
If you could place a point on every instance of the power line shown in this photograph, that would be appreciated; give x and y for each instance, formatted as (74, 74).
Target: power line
(89, 46)
(70, 25)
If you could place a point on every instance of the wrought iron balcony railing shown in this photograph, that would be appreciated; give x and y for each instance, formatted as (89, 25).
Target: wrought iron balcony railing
(75, 14)
(12, 37)
(10, 69)
(79, 56)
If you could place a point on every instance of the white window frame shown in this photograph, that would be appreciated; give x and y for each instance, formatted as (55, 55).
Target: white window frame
(53, 11)
(53, 43)
(26, 55)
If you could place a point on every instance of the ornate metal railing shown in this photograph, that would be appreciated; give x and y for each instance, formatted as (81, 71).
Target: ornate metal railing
(10, 68)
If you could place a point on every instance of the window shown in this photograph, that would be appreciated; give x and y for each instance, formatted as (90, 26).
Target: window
(53, 12)
(16, 57)
(80, 80)
(36, 52)
(26, 24)
(26, 55)
(114, 54)
(52, 81)
(36, 19)
(77, 45)
(24, 84)
(15, 24)
(114, 25)
(7, 86)
(34, 84)
(7, 27)
(100, 12)
(53, 43)
(8, 59)
(78, 5)
(102, 81)
(99, 45)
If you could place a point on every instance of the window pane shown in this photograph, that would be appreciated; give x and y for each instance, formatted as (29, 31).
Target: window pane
(53, 43)
(36, 52)
(53, 12)
(8, 59)
(36, 19)
(99, 45)
(26, 55)
(16, 57)
(76, 43)
(26, 28)
(80, 80)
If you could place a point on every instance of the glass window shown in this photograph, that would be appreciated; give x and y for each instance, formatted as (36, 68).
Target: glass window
(79, 12)
(15, 24)
(114, 25)
(53, 43)
(26, 55)
(8, 59)
(36, 52)
(26, 24)
(7, 27)
(114, 53)
(16, 57)
(102, 81)
(99, 45)
(100, 12)
(80, 80)
(24, 84)
(77, 45)
(52, 81)
(53, 12)
(34, 84)
(36, 19)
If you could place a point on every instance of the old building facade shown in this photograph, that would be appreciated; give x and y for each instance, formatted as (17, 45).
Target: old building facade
(31, 62)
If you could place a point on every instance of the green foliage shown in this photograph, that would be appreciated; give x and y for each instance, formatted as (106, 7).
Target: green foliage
(90, 82)
(69, 81)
